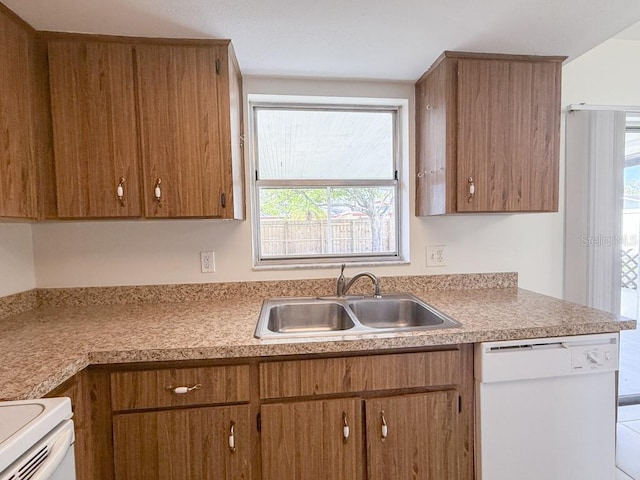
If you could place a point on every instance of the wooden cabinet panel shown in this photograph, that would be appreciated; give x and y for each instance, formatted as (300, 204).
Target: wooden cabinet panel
(184, 126)
(17, 162)
(234, 170)
(491, 121)
(420, 440)
(356, 374)
(508, 135)
(89, 394)
(131, 390)
(436, 142)
(305, 440)
(95, 133)
(76, 389)
(190, 444)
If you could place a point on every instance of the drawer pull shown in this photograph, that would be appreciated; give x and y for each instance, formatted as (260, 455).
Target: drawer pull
(232, 437)
(472, 189)
(183, 390)
(383, 430)
(345, 427)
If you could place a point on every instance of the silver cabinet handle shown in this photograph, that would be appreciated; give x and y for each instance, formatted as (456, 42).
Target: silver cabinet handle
(120, 191)
(183, 390)
(157, 191)
(426, 173)
(472, 189)
(345, 427)
(384, 431)
(232, 437)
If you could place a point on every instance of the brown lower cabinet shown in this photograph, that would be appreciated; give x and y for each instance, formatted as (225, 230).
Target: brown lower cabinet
(398, 415)
(407, 437)
(412, 436)
(191, 444)
(308, 440)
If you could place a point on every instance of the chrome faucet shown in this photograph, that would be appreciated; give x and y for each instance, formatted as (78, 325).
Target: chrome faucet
(343, 286)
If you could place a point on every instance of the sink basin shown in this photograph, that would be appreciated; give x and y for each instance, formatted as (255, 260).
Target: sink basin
(395, 313)
(337, 316)
(309, 317)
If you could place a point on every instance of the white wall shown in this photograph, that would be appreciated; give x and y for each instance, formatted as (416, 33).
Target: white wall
(156, 252)
(606, 75)
(16, 258)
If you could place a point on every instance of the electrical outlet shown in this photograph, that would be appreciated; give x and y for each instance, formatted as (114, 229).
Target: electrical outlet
(436, 255)
(207, 262)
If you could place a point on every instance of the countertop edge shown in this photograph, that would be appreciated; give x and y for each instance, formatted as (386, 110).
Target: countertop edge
(301, 348)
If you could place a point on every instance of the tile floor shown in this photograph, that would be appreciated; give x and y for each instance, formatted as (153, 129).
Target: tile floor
(628, 443)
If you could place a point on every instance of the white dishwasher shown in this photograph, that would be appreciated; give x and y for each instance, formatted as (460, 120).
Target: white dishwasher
(36, 440)
(546, 408)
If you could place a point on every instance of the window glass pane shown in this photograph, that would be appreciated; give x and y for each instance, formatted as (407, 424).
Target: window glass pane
(325, 145)
(327, 221)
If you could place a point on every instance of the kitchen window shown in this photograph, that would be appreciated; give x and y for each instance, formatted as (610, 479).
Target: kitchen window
(326, 184)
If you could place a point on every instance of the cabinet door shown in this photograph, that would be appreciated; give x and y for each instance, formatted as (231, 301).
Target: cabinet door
(420, 441)
(94, 128)
(183, 127)
(306, 440)
(508, 135)
(191, 444)
(17, 165)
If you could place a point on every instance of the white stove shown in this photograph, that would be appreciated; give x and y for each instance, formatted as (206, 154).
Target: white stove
(36, 440)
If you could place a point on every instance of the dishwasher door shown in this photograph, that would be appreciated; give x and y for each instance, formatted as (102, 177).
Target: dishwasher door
(546, 408)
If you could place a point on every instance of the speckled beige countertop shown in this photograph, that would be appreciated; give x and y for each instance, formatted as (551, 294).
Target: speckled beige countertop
(44, 346)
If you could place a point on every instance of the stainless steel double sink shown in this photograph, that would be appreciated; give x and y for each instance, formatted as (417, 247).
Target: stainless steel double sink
(352, 315)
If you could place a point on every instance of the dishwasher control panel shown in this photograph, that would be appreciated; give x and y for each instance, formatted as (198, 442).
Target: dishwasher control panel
(589, 358)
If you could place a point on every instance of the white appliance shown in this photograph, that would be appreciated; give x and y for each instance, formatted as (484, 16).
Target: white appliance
(36, 440)
(546, 408)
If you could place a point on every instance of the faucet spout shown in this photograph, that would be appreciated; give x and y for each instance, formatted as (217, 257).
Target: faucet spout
(340, 283)
(343, 286)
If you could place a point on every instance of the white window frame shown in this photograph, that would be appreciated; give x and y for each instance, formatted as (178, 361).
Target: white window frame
(400, 164)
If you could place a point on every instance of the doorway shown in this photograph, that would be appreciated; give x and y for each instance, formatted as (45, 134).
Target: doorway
(628, 431)
(629, 383)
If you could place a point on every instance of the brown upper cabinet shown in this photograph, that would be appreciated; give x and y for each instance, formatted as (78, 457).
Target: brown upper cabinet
(95, 134)
(17, 130)
(488, 130)
(184, 100)
(146, 127)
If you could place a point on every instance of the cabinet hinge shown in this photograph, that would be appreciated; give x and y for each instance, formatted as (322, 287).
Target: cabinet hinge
(223, 200)
(459, 403)
(217, 66)
(256, 175)
(395, 175)
(259, 422)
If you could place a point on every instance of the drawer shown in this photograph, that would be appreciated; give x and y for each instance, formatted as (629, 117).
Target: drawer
(133, 390)
(299, 378)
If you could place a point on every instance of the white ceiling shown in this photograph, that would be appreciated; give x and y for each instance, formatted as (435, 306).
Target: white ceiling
(372, 39)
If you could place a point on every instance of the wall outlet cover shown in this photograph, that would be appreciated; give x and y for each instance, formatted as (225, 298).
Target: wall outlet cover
(436, 255)
(207, 262)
